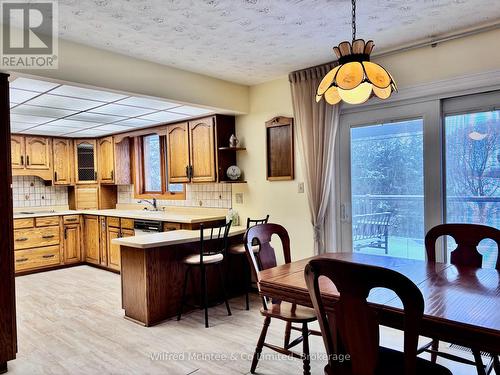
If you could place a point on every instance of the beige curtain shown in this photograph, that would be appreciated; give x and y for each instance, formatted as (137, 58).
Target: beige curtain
(316, 125)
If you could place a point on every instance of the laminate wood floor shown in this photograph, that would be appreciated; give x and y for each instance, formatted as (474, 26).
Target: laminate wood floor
(70, 321)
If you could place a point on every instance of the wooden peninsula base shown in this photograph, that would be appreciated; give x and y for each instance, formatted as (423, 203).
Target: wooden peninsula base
(152, 274)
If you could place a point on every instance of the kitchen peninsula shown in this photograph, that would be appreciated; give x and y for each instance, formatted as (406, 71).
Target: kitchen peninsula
(152, 272)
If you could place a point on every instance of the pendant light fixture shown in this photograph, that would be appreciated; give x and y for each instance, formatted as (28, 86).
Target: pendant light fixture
(355, 79)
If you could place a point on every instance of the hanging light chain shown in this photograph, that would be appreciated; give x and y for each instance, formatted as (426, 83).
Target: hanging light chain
(353, 2)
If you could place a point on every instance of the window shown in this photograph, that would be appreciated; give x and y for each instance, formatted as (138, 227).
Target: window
(151, 169)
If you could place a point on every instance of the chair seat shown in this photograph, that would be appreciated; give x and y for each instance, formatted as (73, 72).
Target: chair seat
(283, 311)
(240, 249)
(391, 362)
(207, 259)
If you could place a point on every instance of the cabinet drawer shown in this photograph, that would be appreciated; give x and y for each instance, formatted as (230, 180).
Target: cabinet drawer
(23, 223)
(71, 219)
(46, 221)
(36, 237)
(114, 222)
(37, 258)
(128, 223)
(167, 227)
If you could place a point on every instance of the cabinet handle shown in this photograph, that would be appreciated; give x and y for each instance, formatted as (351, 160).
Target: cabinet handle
(21, 239)
(48, 236)
(27, 160)
(65, 233)
(22, 160)
(190, 172)
(20, 260)
(112, 175)
(95, 176)
(187, 171)
(55, 176)
(48, 256)
(72, 219)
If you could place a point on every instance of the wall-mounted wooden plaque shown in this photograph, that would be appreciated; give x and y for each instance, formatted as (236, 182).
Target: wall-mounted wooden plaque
(279, 149)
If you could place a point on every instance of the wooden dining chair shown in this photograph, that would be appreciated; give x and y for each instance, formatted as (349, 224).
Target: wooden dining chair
(467, 237)
(354, 324)
(264, 258)
(239, 250)
(212, 253)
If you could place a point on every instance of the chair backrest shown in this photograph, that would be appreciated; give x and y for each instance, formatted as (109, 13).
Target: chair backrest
(467, 237)
(254, 222)
(213, 240)
(353, 320)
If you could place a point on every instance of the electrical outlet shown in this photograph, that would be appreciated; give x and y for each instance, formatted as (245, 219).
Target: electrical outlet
(238, 197)
(301, 188)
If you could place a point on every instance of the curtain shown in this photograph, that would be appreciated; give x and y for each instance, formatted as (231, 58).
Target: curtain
(316, 125)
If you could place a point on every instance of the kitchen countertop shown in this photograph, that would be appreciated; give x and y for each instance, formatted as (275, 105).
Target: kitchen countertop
(186, 217)
(175, 237)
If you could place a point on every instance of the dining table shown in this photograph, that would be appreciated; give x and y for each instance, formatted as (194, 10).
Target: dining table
(462, 304)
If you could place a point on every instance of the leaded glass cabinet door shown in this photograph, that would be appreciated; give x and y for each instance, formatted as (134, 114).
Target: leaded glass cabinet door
(86, 161)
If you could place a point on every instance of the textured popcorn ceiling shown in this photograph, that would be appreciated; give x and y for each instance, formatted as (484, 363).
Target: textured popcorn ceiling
(251, 41)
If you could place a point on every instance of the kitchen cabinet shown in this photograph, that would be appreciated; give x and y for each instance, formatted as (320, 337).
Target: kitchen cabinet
(178, 153)
(86, 161)
(38, 153)
(31, 156)
(71, 243)
(91, 238)
(62, 155)
(106, 160)
(113, 249)
(202, 150)
(17, 150)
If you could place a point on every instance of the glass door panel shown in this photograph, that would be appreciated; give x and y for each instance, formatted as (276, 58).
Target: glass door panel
(473, 174)
(387, 189)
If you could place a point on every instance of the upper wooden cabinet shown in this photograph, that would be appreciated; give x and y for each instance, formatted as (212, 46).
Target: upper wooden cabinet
(106, 160)
(62, 154)
(178, 152)
(86, 161)
(194, 150)
(38, 153)
(17, 151)
(31, 156)
(201, 150)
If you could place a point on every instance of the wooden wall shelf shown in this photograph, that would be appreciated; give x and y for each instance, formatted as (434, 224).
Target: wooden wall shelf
(233, 182)
(232, 148)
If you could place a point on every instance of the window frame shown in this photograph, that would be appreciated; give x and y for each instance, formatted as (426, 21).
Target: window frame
(139, 183)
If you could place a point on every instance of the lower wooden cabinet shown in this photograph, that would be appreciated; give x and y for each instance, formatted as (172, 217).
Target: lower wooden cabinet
(91, 238)
(30, 259)
(71, 244)
(114, 250)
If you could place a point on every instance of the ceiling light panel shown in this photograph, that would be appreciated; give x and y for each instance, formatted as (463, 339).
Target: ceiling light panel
(30, 119)
(95, 117)
(83, 93)
(191, 111)
(148, 103)
(164, 117)
(121, 110)
(64, 102)
(32, 110)
(51, 128)
(32, 84)
(67, 123)
(136, 123)
(18, 126)
(20, 96)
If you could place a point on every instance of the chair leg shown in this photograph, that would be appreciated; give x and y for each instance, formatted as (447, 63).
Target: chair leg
(204, 291)
(305, 343)
(248, 283)
(260, 344)
(479, 362)
(288, 331)
(222, 280)
(434, 346)
(183, 299)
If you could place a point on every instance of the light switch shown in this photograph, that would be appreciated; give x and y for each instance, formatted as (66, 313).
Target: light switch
(301, 188)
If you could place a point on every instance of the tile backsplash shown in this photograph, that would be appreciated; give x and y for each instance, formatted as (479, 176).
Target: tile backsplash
(30, 191)
(209, 195)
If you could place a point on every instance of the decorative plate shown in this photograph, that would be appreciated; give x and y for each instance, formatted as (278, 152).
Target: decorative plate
(233, 172)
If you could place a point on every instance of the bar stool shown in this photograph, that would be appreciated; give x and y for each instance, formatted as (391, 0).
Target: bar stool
(213, 249)
(239, 250)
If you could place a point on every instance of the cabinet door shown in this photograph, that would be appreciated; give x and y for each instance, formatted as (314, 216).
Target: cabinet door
(17, 151)
(106, 160)
(178, 153)
(202, 151)
(86, 161)
(113, 249)
(91, 238)
(72, 243)
(87, 197)
(38, 153)
(63, 161)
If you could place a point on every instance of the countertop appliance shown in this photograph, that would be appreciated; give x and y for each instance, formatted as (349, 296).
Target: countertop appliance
(142, 227)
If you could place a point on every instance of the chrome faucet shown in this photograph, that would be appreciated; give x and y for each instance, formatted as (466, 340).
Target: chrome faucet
(151, 202)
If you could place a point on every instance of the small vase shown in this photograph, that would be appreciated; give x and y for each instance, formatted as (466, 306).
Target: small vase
(233, 141)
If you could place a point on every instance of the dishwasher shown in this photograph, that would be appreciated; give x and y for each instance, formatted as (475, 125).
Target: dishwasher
(142, 227)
